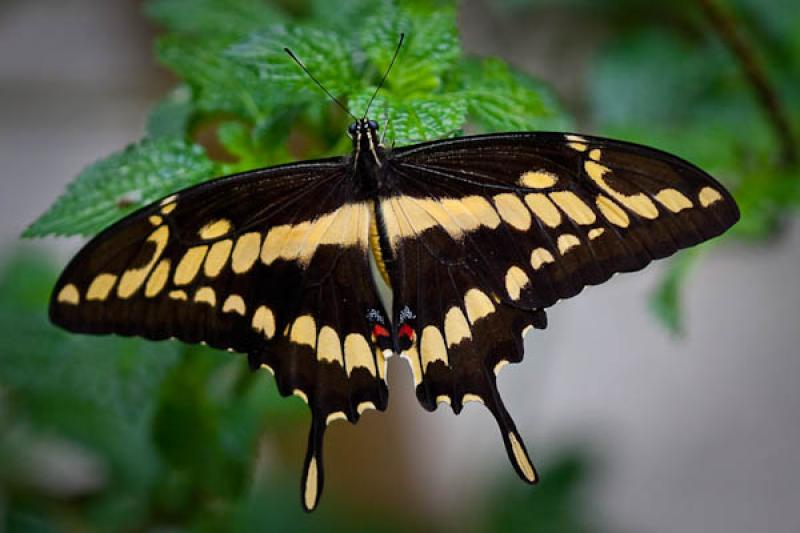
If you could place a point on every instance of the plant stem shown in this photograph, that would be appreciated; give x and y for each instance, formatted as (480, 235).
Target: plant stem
(724, 25)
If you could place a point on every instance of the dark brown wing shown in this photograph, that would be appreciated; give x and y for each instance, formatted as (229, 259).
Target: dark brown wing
(271, 263)
(485, 232)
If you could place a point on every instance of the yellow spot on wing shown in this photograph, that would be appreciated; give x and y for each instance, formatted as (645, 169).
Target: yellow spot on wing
(499, 366)
(406, 216)
(516, 280)
(347, 226)
(595, 154)
(69, 295)
(456, 327)
(134, 278)
(673, 200)
(234, 304)
(246, 252)
(310, 493)
(333, 417)
(576, 142)
(217, 257)
(206, 295)
(101, 287)
(544, 209)
(521, 458)
(538, 179)
(469, 397)
(595, 233)
(443, 398)
(167, 209)
(412, 356)
(156, 220)
(215, 229)
(639, 203)
(574, 207)
(300, 394)
(357, 353)
(304, 331)
(432, 347)
(612, 212)
(481, 209)
(380, 357)
(158, 279)
(708, 196)
(363, 406)
(566, 242)
(478, 305)
(513, 211)
(264, 321)
(539, 257)
(329, 347)
(190, 264)
(178, 295)
(169, 200)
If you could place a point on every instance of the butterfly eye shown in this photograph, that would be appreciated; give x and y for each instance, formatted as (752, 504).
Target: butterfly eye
(352, 129)
(373, 125)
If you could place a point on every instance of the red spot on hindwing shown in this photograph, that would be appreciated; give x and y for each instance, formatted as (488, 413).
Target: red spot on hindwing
(406, 331)
(379, 331)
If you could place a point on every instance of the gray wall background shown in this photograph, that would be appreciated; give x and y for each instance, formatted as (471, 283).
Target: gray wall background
(696, 434)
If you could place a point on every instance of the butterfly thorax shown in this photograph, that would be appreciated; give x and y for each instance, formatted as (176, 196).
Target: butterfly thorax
(368, 158)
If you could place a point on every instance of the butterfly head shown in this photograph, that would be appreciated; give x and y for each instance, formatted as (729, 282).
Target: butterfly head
(363, 127)
(366, 142)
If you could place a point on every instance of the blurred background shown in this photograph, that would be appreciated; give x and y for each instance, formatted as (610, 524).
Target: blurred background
(663, 401)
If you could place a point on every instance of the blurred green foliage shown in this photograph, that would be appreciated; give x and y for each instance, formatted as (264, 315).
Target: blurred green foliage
(123, 434)
(669, 75)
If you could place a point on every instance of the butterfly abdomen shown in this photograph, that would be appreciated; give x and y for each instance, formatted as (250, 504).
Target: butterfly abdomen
(378, 243)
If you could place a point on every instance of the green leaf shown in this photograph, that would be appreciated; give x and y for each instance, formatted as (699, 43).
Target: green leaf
(431, 49)
(241, 142)
(125, 181)
(501, 99)
(326, 55)
(416, 119)
(339, 16)
(170, 117)
(665, 302)
(213, 17)
(219, 83)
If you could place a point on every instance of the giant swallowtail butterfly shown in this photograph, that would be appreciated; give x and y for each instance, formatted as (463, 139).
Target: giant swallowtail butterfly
(474, 236)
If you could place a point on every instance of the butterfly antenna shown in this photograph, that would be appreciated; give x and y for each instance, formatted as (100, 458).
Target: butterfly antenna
(319, 84)
(386, 75)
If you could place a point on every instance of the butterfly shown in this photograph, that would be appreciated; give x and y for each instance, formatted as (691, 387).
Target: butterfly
(472, 238)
